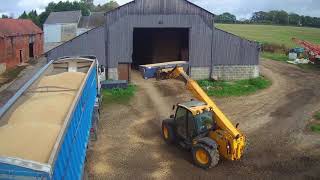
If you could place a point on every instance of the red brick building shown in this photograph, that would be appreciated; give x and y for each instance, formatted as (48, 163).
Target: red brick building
(20, 40)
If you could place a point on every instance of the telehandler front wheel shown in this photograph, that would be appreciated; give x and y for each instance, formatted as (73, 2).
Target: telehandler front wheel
(205, 157)
(168, 133)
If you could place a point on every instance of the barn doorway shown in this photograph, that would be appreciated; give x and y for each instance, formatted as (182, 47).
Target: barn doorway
(157, 45)
(20, 57)
(31, 53)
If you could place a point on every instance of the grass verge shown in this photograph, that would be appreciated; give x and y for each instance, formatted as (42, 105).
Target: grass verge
(317, 115)
(316, 128)
(275, 56)
(234, 88)
(11, 74)
(118, 95)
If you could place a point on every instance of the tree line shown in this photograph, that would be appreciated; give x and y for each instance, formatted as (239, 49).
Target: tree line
(85, 6)
(271, 17)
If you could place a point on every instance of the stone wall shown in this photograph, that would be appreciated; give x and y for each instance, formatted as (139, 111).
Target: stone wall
(235, 72)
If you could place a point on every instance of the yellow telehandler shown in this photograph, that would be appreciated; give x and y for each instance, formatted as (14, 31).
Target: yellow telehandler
(200, 126)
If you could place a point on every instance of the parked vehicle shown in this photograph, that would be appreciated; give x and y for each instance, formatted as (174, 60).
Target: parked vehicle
(45, 127)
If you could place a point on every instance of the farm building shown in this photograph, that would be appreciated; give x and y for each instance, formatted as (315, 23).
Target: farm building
(94, 20)
(61, 26)
(152, 31)
(20, 40)
(65, 25)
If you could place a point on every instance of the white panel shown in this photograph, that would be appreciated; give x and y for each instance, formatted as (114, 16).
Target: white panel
(52, 33)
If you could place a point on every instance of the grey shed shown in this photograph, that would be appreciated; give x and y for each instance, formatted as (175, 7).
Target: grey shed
(63, 17)
(95, 19)
(152, 31)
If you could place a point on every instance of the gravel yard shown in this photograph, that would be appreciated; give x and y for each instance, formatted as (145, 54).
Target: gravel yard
(130, 143)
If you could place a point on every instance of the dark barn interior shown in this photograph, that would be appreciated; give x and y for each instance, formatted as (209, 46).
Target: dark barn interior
(157, 45)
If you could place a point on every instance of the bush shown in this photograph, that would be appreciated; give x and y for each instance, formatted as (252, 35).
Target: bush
(274, 48)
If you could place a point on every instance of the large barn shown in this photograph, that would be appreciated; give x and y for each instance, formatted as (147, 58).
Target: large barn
(152, 31)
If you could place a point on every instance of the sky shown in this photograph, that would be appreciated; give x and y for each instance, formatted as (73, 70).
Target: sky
(241, 8)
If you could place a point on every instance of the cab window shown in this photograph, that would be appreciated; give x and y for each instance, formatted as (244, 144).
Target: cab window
(181, 121)
(191, 126)
(204, 121)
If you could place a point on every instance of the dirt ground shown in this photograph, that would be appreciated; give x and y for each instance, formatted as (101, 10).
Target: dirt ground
(275, 120)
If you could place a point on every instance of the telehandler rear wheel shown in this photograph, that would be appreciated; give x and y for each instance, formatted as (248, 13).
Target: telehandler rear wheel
(168, 133)
(204, 156)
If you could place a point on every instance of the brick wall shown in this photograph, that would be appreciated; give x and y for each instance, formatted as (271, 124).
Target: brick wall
(236, 72)
(12, 46)
(2, 68)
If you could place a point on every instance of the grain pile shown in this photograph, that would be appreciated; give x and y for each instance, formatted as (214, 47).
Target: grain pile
(34, 125)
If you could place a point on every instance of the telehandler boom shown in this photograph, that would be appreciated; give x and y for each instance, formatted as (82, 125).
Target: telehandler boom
(201, 126)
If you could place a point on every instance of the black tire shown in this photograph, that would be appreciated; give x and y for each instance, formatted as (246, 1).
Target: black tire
(168, 133)
(212, 155)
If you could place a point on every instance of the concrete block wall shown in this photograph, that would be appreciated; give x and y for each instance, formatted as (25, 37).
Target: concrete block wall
(113, 73)
(200, 73)
(235, 72)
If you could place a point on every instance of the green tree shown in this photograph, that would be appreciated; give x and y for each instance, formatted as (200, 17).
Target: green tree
(64, 6)
(281, 17)
(3, 16)
(23, 15)
(259, 17)
(106, 7)
(226, 18)
(294, 19)
(33, 16)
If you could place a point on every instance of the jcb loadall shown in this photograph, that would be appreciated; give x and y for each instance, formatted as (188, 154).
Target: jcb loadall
(201, 127)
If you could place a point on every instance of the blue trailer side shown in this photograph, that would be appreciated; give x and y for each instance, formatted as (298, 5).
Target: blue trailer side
(69, 162)
(14, 168)
(68, 155)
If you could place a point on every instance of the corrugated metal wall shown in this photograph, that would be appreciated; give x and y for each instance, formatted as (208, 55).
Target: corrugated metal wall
(120, 37)
(229, 49)
(165, 7)
(89, 43)
(207, 45)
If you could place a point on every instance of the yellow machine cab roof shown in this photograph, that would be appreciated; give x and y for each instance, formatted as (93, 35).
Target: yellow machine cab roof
(196, 107)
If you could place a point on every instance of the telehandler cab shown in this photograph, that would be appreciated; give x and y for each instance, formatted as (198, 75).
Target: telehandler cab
(200, 126)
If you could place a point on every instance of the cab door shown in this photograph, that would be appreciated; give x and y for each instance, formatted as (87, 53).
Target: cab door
(181, 123)
(191, 127)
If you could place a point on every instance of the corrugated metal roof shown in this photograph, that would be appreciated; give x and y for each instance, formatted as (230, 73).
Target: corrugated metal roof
(94, 20)
(63, 17)
(17, 27)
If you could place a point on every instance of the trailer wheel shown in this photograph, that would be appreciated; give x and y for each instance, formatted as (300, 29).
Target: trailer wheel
(205, 157)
